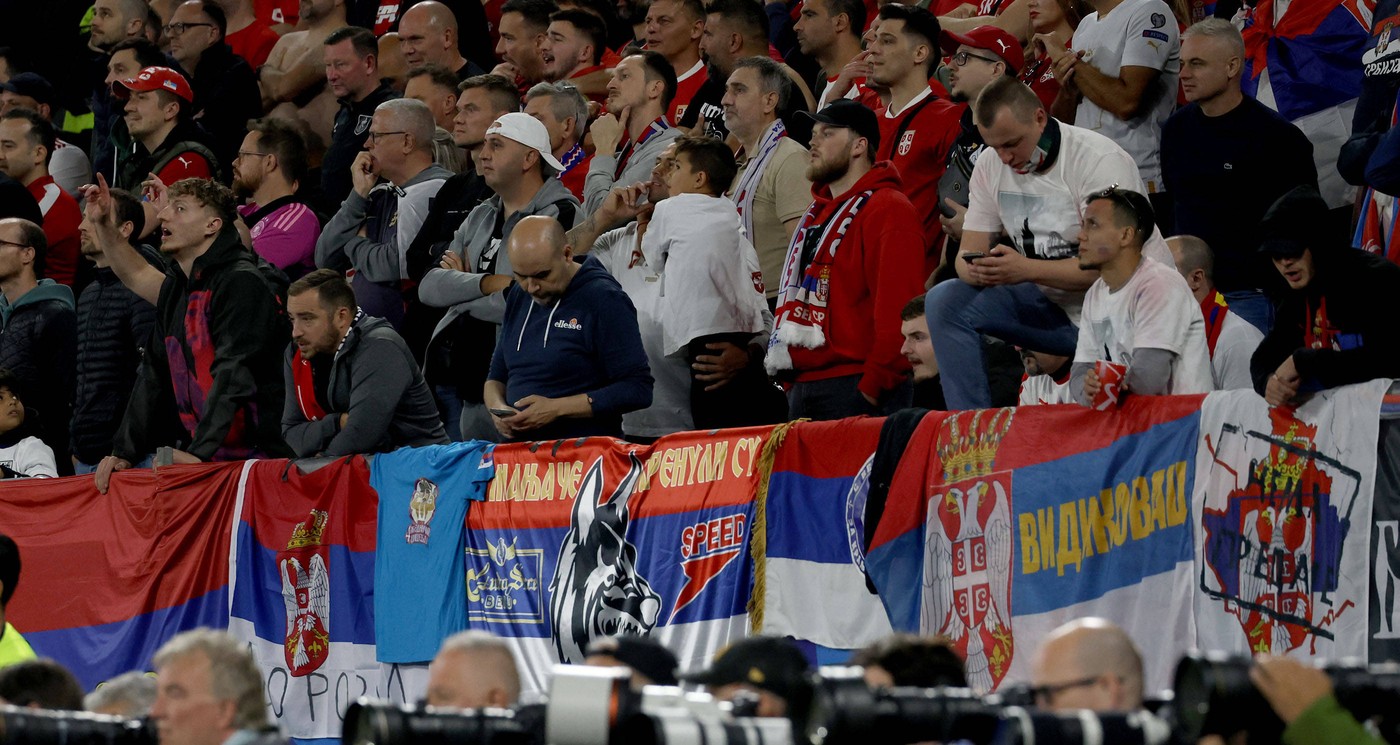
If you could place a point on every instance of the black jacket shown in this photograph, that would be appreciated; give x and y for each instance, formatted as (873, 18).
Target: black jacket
(134, 162)
(1359, 290)
(215, 361)
(37, 343)
(226, 96)
(347, 140)
(114, 328)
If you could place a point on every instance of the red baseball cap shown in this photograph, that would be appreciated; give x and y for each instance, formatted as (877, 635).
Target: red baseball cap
(155, 79)
(990, 38)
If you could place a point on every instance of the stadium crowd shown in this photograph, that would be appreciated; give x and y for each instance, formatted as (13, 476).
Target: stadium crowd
(235, 229)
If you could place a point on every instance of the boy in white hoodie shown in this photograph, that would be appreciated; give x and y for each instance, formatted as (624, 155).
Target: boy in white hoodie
(22, 455)
(713, 287)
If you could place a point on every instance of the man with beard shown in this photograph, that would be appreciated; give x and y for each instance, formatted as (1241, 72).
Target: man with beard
(573, 50)
(524, 25)
(836, 335)
(829, 32)
(114, 326)
(269, 168)
(352, 385)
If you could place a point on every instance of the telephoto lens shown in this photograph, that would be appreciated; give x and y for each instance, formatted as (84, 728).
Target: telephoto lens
(1021, 726)
(372, 722)
(846, 711)
(24, 726)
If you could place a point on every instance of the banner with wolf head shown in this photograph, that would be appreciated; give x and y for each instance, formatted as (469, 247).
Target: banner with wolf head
(1285, 504)
(581, 540)
(1003, 524)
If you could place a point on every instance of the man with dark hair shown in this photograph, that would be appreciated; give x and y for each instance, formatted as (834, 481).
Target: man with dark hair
(68, 164)
(836, 335)
(293, 80)
(918, 349)
(563, 111)
(1019, 278)
(352, 384)
(517, 164)
(126, 60)
(352, 72)
(269, 170)
(829, 32)
(1139, 312)
(573, 45)
(209, 386)
(225, 87)
(593, 373)
(906, 660)
(918, 128)
(627, 140)
(1331, 327)
(16, 201)
(373, 228)
(428, 35)
(113, 22)
(27, 142)
(436, 87)
(770, 188)
(737, 30)
(673, 29)
(37, 324)
(13, 647)
(114, 327)
(40, 684)
(524, 25)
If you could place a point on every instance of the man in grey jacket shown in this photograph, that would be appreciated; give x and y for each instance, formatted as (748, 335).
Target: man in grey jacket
(389, 211)
(352, 384)
(627, 140)
(517, 163)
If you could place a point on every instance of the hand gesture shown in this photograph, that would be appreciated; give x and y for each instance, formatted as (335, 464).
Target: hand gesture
(720, 368)
(953, 226)
(607, 131)
(102, 477)
(154, 191)
(362, 175)
(857, 69)
(1282, 388)
(450, 260)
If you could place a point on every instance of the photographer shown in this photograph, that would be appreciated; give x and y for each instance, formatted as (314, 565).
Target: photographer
(1302, 697)
(1088, 663)
(209, 692)
(473, 669)
(770, 667)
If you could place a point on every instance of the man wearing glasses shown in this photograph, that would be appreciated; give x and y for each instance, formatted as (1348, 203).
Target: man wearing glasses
(1087, 664)
(269, 169)
(394, 180)
(225, 88)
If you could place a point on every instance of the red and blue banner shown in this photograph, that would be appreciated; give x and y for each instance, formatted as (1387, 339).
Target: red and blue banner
(1312, 52)
(580, 540)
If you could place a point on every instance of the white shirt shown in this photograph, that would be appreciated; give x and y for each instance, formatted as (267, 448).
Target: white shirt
(711, 281)
(31, 457)
(1230, 363)
(1153, 310)
(1040, 212)
(618, 252)
(1042, 389)
(1137, 33)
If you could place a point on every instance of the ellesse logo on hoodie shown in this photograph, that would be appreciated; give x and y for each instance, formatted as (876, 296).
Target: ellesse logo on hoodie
(572, 323)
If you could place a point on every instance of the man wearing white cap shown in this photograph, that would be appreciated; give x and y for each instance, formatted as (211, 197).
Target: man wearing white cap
(515, 161)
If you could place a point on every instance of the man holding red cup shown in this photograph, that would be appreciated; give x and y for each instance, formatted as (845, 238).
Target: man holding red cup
(1141, 329)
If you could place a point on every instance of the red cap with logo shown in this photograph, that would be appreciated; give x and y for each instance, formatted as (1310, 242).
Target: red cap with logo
(155, 79)
(990, 38)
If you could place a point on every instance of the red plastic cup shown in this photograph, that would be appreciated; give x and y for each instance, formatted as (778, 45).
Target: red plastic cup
(1111, 376)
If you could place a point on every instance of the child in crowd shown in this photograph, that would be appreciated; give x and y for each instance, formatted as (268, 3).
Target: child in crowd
(22, 455)
(713, 286)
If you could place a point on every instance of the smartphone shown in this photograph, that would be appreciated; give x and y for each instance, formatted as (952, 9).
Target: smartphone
(971, 255)
(504, 412)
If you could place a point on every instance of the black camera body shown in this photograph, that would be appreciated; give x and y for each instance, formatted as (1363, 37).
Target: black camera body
(24, 726)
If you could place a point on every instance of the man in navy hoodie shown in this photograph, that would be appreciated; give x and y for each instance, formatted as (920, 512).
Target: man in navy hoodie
(596, 369)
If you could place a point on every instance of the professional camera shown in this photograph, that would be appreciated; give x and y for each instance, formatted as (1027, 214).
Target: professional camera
(1214, 696)
(846, 711)
(370, 722)
(1021, 726)
(23, 726)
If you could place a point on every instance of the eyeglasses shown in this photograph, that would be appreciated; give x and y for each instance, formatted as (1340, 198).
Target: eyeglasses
(175, 29)
(373, 135)
(251, 154)
(4, 242)
(961, 58)
(1046, 693)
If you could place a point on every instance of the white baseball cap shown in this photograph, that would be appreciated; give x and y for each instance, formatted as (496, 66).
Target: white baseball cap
(528, 131)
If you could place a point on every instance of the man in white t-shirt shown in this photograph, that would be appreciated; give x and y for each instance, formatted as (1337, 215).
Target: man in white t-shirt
(1139, 312)
(1121, 81)
(1018, 276)
(1230, 339)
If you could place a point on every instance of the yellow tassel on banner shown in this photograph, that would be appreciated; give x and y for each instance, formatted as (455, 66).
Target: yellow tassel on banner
(758, 534)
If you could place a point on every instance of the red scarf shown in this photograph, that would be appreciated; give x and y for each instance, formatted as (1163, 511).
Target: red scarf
(1214, 308)
(1319, 333)
(304, 381)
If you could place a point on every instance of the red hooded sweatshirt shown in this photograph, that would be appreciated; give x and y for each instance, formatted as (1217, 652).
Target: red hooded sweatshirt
(879, 266)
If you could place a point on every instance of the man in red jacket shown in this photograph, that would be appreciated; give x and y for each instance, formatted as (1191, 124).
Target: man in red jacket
(849, 270)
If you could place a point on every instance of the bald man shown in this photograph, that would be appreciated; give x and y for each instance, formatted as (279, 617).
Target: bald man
(428, 36)
(1230, 339)
(472, 670)
(1087, 663)
(569, 360)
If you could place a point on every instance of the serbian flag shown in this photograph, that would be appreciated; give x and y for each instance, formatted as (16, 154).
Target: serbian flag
(303, 590)
(108, 578)
(1312, 52)
(1003, 524)
(814, 586)
(584, 539)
